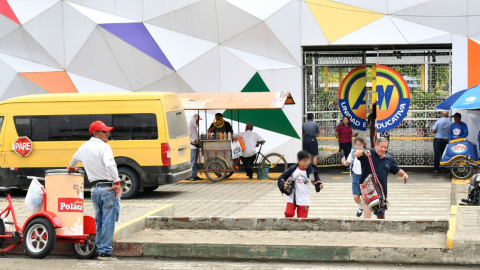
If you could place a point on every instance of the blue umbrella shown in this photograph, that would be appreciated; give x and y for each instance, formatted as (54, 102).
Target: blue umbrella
(468, 99)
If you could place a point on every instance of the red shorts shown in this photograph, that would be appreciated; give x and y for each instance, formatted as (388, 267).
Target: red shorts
(302, 211)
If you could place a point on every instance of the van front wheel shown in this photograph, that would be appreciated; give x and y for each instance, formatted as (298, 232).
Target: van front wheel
(129, 181)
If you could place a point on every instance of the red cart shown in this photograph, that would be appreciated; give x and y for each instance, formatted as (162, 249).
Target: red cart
(38, 234)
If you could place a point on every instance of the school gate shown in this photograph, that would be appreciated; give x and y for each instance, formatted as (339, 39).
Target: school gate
(427, 73)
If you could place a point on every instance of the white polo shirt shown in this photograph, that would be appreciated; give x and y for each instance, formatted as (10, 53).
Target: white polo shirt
(98, 161)
(250, 139)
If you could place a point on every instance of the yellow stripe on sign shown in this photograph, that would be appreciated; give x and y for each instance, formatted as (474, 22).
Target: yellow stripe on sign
(151, 213)
(451, 232)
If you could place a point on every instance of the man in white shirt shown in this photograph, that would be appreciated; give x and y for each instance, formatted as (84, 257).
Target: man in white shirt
(99, 163)
(251, 140)
(194, 144)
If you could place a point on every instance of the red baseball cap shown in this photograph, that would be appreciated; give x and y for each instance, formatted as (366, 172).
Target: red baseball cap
(99, 125)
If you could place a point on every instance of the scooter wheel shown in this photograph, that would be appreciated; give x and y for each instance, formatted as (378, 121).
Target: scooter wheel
(39, 238)
(87, 250)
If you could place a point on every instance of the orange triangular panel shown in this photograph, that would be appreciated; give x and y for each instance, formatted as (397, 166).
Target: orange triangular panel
(7, 11)
(473, 63)
(54, 82)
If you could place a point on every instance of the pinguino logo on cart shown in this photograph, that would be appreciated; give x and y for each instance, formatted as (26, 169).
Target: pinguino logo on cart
(459, 148)
(70, 205)
(351, 97)
(393, 98)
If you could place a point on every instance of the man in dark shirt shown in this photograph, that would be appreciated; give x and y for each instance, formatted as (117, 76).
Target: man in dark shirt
(310, 130)
(383, 163)
(220, 125)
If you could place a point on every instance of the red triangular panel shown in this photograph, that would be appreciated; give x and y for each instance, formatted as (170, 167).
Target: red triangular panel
(7, 11)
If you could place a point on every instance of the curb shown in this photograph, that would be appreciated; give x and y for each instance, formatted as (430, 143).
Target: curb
(296, 224)
(312, 253)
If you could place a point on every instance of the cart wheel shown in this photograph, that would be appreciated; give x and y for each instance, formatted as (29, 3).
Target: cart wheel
(215, 169)
(87, 250)
(460, 168)
(273, 165)
(2, 232)
(39, 238)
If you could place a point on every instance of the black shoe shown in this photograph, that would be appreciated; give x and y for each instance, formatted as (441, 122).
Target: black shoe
(360, 212)
(198, 178)
(107, 257)
(250, 177)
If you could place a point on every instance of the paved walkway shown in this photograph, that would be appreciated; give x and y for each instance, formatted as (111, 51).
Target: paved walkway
(290, 238)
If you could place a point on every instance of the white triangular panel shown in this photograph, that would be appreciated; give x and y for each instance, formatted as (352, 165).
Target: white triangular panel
(311, 34)
(473, 24)
(96, 61)
(396, 5)
(130, 9)
(285, 23)
(86, 85)
(22, 65)
(47, 29)
(369, 34)
(197, 20)
(262, 41)
(287, 149)
(32, 88)
(414, 32)
(260, 9)
(20, 43)
(379, 6)
(258, 62)
(155, 8)
(103, 5)
(446, 15)
(180, 49)
(7, 26)
(203, 74)
(139, 68)
(234, 73)
(77, 30)
(25, 10)
(15, 89)
(232, 20)
(445, 39)
(171, 83)
(100, 17)
(7, 74)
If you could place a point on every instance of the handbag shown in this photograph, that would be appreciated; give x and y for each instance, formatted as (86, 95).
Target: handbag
(372, 191)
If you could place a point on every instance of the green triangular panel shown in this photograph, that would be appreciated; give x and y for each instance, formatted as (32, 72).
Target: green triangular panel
(273, 120)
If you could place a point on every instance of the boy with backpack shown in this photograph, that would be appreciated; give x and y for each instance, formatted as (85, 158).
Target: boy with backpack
(295, 182)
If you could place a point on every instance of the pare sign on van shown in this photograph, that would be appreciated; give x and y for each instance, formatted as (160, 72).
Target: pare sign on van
(23, 146)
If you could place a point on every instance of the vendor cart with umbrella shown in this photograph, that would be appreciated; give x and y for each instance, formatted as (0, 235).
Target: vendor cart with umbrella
(216, 151)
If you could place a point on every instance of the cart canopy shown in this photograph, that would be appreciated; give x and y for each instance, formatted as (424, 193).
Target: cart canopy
(235, 101)
(468, 99)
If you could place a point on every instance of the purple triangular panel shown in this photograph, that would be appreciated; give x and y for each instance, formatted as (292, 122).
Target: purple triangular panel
(137, 35)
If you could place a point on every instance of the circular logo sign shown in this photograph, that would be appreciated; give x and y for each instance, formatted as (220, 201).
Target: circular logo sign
(456, 131)
(470, 99)
(351, 97)
(459, 148)
(23, 146)
(393, 98)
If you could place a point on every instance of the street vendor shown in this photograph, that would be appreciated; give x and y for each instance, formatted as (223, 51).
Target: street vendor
(458, 128)
(98, 160)
(249, 155)
(220, 125)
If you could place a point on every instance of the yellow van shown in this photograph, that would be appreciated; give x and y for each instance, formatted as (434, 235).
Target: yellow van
(150, 139)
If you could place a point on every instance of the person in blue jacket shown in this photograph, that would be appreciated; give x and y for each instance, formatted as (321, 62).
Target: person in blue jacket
(458, 128)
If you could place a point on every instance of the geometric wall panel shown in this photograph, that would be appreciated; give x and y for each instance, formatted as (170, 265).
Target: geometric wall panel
(6, 10)
(369, 34)
(53, 82)
(311, 34)
(25, 10)
(232, 20)
(7, 25)
(414, 32)
(260, 9)
(86, 85)
(22, 65)
(258, 62)
(155, 8)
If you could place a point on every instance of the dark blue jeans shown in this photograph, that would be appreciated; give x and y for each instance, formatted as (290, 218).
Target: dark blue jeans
(438, 148)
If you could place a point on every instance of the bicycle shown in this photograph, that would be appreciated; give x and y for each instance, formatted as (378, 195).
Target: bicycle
(272, 165)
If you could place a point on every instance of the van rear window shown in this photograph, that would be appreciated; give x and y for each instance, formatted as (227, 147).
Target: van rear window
(75, 127)
(177, 124)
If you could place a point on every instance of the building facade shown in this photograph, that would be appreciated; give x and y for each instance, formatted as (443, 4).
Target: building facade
(208, 46)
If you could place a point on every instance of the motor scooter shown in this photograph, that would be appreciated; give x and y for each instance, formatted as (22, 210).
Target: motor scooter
(455, 158)
(474, 186)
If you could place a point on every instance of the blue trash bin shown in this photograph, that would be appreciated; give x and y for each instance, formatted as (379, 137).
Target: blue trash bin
(260, 175)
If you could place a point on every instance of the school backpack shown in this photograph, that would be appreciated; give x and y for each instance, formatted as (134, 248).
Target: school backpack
(372, 191)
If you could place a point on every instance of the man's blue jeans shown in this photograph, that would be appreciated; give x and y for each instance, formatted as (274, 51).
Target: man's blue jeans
(194, 161)
(106, 212)
(438, 148)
